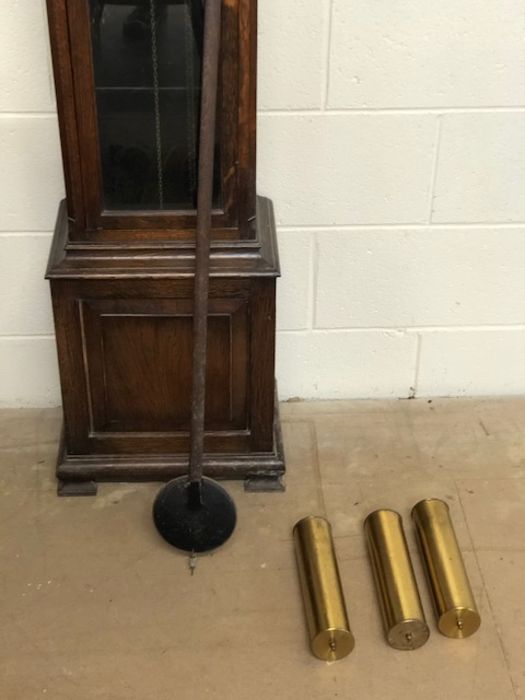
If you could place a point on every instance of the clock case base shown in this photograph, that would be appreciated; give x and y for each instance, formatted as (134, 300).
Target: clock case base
(123, 319)
(79, 475)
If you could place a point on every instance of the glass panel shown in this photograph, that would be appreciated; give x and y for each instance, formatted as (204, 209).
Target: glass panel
(147, 63)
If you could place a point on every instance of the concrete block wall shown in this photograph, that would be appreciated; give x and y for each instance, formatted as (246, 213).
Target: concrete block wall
(31, 184)
(392, 140)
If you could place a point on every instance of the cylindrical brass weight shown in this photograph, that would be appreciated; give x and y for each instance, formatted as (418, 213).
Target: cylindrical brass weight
(399, 601)
(456, 610)
(326, 616)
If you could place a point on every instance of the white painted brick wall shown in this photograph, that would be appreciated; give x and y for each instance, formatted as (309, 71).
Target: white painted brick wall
(345, 168)
(418, 53)
(392, 140)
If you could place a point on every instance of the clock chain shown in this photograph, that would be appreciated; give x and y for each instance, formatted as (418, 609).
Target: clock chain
(156, 99)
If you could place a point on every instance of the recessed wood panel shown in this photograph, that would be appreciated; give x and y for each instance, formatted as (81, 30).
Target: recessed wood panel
(118, 401)
(138, 362)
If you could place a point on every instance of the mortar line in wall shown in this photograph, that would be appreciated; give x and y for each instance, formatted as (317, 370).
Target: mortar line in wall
(415, 387)
(479, 224)
(466, 328)
(309, 112)
(22, 234)
(325, 95)
(36, 336)
(404, 330)
(435, 165)
(313, 112)
(402, 227)
(27, 115)
(314, 281)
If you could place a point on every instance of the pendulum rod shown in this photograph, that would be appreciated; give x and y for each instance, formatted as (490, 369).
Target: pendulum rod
(212, 33)
(194, 513)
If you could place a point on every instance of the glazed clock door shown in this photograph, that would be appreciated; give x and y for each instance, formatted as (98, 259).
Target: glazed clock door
(137, 80)
(147, 68)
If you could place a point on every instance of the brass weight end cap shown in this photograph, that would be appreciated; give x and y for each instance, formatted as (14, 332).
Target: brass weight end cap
(332, 645)
(459, 623)
(318, 518)
(408, 635)
(386, 512)
(429, 500)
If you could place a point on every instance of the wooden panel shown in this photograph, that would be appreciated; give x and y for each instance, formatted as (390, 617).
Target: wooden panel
(67, 118)
(262, 358)
(71, 367)
(84, 95)
(247, 111)
(138, 357)
(124, 351)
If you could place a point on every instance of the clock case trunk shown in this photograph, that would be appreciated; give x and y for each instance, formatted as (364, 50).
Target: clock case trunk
(122, 292)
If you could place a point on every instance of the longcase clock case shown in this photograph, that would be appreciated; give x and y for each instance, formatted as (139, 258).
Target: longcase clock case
(121, 266)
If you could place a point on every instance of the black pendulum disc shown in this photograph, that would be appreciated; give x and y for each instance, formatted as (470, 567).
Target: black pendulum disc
(194, 523)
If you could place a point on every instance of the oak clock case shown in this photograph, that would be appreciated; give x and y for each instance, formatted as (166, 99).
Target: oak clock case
(121, 268)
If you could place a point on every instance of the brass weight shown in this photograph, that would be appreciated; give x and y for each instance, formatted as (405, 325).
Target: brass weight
(403, 617)
(325, 609)
(456, 610)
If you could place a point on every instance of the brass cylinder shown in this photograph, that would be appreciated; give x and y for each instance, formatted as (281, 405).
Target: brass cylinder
(324, 604)
(456, 610)
(403, 617)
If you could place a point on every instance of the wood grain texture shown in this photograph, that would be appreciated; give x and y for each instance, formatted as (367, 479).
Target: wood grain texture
(122, 285)
(251, 466)
(126, 356)
(148, 342)
(152, 258)
(67, 118)
(79, 28)
(70, 34)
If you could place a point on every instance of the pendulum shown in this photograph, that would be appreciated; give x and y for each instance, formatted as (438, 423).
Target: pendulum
(194, 513)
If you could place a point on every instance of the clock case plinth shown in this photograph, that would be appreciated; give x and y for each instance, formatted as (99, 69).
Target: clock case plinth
(123, 324)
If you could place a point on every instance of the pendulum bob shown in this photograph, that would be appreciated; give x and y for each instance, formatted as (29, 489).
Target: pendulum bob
(455, 607)
(397, 592)
(194, 518)
(327, 620)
